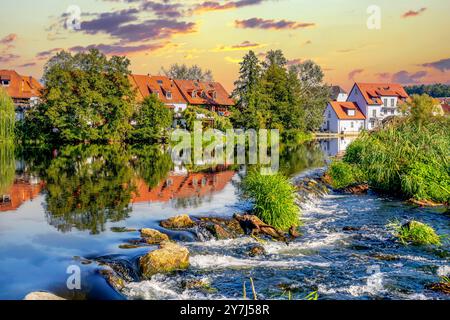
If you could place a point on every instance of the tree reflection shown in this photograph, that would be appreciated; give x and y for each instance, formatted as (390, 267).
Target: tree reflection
(301, 157)
(7, 167)
(152, 163)
(88, 186)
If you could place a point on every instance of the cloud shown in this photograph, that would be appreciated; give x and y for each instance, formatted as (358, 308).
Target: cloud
(294, 62)
(117, 49)
(163, 9)
(44, 55)
(9, 39)
(383, 75)
(117, 25)
(246, 45)
(25, 65)
(8, 57)
(442, 65)
(353, 73)
(405, 77)
(207, 6)
(258, 23)
(413, 13)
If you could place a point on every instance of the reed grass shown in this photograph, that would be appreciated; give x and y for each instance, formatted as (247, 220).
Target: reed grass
(415, 233)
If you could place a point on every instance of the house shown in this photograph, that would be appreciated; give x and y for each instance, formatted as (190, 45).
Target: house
(209, 95)
(24, 90)
(343, 118)
(338, 94)
(377, 101)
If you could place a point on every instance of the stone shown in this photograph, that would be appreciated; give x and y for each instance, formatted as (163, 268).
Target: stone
(257, 226)
(41, 296)
(349, 228)
(122, 229)
(152, 236)
(178, 222)
(169, 257)
(219, 232)
(256, 250)
(443, 287)
(113, 279)
(357, 189)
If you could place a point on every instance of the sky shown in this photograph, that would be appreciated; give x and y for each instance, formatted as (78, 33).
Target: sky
(404, 41)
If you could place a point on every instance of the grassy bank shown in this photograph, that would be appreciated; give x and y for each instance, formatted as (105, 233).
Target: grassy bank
(405, 157)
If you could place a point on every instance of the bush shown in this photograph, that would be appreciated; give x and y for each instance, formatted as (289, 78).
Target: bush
(406, 157)
(274, 199)
(343, 174)
(416, 233)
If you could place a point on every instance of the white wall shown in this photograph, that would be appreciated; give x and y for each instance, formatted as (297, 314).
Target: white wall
(342, 97)
(345, 126)
(330, 115)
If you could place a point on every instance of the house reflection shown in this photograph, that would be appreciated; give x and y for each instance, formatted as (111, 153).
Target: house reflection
(336, 146)
(183, 185)
(19, 193)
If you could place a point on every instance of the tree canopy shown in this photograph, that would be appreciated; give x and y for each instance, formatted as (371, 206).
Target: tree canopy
(438, 90)
(184, 72)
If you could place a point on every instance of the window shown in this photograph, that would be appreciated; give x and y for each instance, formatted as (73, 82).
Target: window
(392, 112)
(159, 82)
(374, 113)
(392, 102)
(352, 124)
(169, 95)
(351, 113)
(329, 114)
(194, 94)
(385, 101)
(5, 83)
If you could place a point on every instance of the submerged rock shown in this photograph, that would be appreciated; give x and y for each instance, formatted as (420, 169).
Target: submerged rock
(219, 232)
(152, 236)
(113, 279)
(169, 257)
(357, 189)
(41, 296)
(122, 229)
(443, 287)
(349, 228)
(256, 226)
(178, 222)
(256, 250)
(386, 257)
(425, 203)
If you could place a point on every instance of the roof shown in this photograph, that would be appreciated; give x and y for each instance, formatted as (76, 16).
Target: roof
(372, 92)
(159, 85)
(20, 86)
(336, 91)
(341, 109)
(446, 108)
(205, 93)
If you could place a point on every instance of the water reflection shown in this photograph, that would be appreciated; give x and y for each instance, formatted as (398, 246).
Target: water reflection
(336, 146)
(301, 157)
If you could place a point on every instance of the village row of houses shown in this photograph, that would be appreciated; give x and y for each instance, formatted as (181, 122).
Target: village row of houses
(174, 93)
(367, 106)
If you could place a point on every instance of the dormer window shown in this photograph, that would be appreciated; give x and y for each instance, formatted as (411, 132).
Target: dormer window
(169, 95)
(351, 112)
(194, 94)
(160, 82)
(5, 82)
(214, 95)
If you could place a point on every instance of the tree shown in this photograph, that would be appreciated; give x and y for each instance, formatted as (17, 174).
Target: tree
(438, 90)
(420, 108)
(7, 116)
(314, 93)
(152, 120)
(249, 79)
(87, 97)
(183, 72)
(275, 57)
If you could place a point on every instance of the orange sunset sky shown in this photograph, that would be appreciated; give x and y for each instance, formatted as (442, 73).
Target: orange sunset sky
(412, 45)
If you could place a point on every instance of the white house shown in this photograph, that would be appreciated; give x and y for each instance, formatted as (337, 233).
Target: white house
(343, 118)
(377, 101)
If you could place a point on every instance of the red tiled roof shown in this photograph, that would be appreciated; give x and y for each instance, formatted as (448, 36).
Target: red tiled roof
(208, 93)
(19, 193)
(22, 87)
(372, 92)
(159, 85)
(341, 109)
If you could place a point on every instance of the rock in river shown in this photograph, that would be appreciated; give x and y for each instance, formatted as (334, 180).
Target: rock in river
(40, 296)
(152, 236)
(169, 257)
(178, 222)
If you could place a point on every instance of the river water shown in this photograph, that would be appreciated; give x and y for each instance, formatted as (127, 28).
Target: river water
(61, 210)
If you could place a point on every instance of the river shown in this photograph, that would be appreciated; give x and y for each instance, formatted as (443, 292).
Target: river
(63, 207)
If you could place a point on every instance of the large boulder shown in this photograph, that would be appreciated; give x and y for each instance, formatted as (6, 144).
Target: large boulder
(41, 296)
(178, 222)
(152, 236)
(219, 232)
(169, 257)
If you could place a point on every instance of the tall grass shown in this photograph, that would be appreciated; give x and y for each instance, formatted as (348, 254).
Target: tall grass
(7, 116)
(407, 158)
(415, 232)
(274, 199)
(7, 166)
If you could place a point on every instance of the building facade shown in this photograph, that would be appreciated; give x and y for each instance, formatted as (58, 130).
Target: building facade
(24, 90)
(343, 118)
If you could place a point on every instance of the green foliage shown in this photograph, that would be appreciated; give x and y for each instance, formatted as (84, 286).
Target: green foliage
(438, 90)
(406, 158)
(87, 97)
(7, 116)
(153, 119)
(415, 232)
(152, 164)
(7, 166)
(420, 108)
(191, 115)
(274, 199)
(182, 71)
(343, 174)
(270, 95)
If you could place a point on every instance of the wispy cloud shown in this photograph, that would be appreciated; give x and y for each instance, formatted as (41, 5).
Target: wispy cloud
(405, 77)
(9, 39)
(442, 65)
(352, 74)
(246, 45)
(9, 57)
(207, 6)
(413, 13)
(258, 23)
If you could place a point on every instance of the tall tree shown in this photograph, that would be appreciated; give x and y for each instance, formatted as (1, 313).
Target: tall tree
(87, 97)
(314, 93)
(182, 71)
(249, 79)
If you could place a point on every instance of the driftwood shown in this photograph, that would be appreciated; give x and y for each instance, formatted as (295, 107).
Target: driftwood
(256, 226)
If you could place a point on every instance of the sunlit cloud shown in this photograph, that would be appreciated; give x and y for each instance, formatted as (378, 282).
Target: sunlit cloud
(413, 13)
(258, 23)
(246, 45)
(441, 65)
